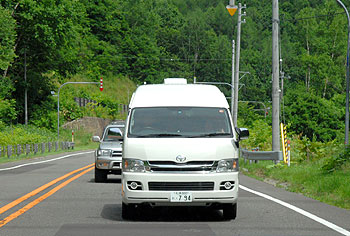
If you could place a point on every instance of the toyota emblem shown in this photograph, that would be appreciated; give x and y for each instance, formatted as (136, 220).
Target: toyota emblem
(180, 159)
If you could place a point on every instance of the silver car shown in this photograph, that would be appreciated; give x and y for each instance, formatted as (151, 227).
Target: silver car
(108, 156)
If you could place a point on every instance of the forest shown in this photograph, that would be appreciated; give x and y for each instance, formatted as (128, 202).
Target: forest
(46, 43)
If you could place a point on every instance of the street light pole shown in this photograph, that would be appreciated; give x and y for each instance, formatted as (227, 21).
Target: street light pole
(58, 103)
(347, 79)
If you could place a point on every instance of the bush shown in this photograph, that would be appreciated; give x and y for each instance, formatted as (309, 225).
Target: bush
(8, 112)
(21, 134)
(334, 163)
(260, 136)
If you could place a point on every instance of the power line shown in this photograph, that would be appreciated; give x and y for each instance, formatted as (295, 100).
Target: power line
(312, 17)
(176, 59)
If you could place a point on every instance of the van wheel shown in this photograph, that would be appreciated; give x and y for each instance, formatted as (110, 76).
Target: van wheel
(230, 211)
(127, 211)
(100, 175)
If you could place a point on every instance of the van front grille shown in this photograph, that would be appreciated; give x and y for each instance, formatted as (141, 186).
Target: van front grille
(191, 166)
(181, 186)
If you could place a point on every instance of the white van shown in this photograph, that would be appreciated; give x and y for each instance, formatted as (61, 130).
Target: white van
(180, 149)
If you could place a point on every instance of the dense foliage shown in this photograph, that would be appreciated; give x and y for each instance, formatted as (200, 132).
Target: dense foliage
(46, 43)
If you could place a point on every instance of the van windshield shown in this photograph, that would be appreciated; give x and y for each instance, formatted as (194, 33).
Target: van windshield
(189, 122)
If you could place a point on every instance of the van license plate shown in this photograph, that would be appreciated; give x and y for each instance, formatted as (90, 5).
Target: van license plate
(181, 197)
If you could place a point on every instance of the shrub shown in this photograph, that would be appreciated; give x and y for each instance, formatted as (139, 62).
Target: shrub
(333, 163)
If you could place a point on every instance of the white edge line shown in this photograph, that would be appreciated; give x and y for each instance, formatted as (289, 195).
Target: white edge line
(40, 162)
(300, 211)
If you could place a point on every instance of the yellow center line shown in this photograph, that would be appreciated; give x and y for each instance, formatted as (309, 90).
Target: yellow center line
(38, 190)
(40, 199)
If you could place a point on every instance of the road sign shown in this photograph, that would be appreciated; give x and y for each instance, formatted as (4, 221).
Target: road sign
(101, 84)
(231, 9)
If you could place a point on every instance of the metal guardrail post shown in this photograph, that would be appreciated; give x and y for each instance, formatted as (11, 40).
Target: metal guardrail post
(9, 151)
(35, 148)
(42, 147)
(27, 149)
(18, 149)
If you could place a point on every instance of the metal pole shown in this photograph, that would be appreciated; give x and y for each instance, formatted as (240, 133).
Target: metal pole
(58, 103)
(232, 80)
(25, 89)
(275, 78)
(347, 78)
(238, 50)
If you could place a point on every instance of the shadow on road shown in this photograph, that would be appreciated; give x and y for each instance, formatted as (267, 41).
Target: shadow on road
(164, 214)
(108, 181)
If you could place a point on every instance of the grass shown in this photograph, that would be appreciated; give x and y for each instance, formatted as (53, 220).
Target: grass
(82, 141)
(306, 178)
(5, 159)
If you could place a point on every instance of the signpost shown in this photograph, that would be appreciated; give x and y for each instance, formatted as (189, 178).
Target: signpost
(232, 8)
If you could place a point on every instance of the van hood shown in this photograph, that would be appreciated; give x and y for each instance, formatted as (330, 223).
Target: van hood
(167, 149)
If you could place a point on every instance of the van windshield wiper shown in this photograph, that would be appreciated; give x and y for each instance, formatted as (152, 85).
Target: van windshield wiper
(209, 135)
(158, 135)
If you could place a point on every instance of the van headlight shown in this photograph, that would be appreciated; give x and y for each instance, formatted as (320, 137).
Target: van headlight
(134, 165)
(227, 165)
(104, 152)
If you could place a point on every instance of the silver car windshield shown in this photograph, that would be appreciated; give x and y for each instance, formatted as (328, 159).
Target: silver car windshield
(188, 122)
(113, 134)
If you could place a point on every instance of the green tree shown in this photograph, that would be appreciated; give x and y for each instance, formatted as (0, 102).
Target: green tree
(7, 38)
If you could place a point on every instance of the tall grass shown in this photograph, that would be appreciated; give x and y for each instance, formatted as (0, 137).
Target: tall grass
(307, 178)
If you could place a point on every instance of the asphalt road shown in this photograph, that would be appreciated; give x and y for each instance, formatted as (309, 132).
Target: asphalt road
(34, 202)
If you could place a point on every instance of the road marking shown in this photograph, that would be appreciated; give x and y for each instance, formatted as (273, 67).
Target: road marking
(40, 162)
(300, 211)
(40, 199)
(38, 190)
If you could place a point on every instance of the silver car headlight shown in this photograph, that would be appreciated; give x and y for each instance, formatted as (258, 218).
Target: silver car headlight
(104, 152)
(134, 165)
(227, 165)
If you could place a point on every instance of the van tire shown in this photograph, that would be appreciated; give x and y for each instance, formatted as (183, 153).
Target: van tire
(127, 211)
(230, 211)
(100, 175)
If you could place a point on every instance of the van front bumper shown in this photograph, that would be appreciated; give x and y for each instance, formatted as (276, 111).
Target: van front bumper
(205, 189)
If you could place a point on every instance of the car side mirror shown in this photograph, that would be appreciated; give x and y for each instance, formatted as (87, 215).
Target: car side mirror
(243, 133)
(96, 138)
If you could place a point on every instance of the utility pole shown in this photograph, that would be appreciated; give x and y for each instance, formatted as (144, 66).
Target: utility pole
(238, 51)
(347, 78)
(25, 89)
(233, 80)
(275, 78)
(232, 8)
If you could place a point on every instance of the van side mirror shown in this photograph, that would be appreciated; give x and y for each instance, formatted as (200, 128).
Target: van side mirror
(243, 133)
(96, 138)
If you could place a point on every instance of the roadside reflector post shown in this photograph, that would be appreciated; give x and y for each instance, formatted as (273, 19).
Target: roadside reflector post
(288, 142)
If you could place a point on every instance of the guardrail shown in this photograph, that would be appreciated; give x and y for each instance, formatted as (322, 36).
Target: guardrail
(261, 155)
(11, 150)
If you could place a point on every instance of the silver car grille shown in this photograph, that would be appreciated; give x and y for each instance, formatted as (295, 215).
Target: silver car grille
(116, 153)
